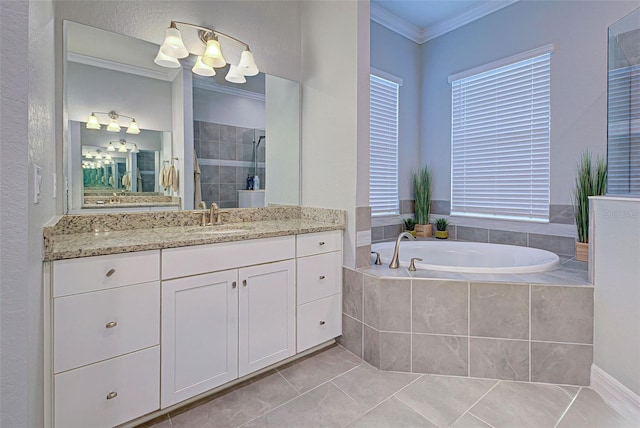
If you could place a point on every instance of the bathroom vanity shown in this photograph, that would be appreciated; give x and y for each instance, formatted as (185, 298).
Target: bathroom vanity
(174, 312)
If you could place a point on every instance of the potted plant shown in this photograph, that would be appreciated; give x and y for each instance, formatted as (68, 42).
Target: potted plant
(590, 181)
(409, 225)
(422, 195)
(441, 228)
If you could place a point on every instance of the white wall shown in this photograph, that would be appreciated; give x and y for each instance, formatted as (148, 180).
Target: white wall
(234, 110)
(330, 108)
(578, 78)
(92, 89)
(26, 111)
(615, 244)
(399, 56)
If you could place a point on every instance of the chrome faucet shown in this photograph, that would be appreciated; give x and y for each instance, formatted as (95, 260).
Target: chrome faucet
(395, 262)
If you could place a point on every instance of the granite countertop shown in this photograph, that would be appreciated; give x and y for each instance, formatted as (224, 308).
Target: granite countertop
(68, 246)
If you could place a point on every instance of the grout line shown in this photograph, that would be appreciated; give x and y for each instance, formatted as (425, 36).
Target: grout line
(415, 410)
(478, 418)
(468, 328)
(287, 380)
(568, 407)
(476, 402)
(530, 310)
(343, 391)
(170, 421)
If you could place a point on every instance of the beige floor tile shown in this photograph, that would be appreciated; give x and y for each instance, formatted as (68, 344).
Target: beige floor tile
(369, 386)
(443, 399)
(515, 404)
(307, 374)
(590, 411)
(392, 413)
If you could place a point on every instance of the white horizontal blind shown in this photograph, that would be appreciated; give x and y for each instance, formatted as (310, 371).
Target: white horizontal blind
(623, 142)
(500, 142)
(383, 153)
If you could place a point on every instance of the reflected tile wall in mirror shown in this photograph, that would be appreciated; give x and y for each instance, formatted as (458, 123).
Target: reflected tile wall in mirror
(225, 155)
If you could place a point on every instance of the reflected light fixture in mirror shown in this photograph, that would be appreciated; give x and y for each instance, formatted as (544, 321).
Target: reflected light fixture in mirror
(174, 48)
(112, 126)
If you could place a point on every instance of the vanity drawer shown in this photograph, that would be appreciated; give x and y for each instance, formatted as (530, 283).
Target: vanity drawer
(95, 326)
(132, 382)
(319, 276)
(319, 321)
(101, 272)
(321, 242)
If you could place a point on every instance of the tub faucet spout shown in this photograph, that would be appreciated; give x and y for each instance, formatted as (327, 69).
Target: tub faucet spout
(395, 262)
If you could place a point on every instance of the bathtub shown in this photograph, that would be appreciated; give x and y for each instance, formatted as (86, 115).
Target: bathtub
(470, 257)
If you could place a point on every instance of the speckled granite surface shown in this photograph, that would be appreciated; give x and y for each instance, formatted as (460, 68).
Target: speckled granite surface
(75, 236)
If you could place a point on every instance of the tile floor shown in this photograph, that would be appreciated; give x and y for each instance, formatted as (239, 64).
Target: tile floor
(334, 388)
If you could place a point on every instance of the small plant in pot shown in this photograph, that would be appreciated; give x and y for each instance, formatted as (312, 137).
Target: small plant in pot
(410, 225)
(441, 228)
(591, 180)
(422, 195)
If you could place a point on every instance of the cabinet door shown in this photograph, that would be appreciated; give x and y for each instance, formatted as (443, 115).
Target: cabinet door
(267, 315)
(199, 334)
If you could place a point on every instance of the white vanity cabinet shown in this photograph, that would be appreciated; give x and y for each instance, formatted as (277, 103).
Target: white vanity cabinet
(319, 285)
(226, 324)
(106, 337)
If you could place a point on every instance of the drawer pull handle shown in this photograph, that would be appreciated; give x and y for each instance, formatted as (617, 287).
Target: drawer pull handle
(112, 395)
(321, 242)
(322, 323)
(244, 282)
(234, 284)
(322, 277)
(111, 324)
(110, 272)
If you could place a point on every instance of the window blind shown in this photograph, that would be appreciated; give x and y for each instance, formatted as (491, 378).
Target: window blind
(623, 139)
(500, 142)
(383, 151)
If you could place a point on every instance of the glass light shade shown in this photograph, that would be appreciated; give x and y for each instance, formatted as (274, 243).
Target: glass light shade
(202, 69)
(133, 128)
(173, 45)
(88, 155)
(234, 76)
(123, 148)
(98, 155)
(247, 65)
(92, 122)
(107, 157)
(113, 126)
(166, 61)
(135, 149)
(213, 55)
(111, 148)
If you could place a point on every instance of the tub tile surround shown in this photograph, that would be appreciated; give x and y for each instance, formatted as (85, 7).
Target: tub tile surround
(72, 236)
(521, 331)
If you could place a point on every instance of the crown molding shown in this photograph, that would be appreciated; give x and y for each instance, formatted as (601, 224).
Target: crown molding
(394, 23)
(118, 66)
(420, 36)
(463, 19)
(211, 85)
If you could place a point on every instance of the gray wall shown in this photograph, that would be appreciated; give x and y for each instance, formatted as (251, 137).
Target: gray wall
(578, 78)
(399, 56)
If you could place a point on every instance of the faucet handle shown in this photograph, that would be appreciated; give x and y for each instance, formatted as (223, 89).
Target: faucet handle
(412, 264)
(377, 262)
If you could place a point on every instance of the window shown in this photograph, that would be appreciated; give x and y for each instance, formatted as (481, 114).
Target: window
(383, 151)
(500, 139)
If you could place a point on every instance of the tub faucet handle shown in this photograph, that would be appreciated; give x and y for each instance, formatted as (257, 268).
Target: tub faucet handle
(412, 264)
(377, 262)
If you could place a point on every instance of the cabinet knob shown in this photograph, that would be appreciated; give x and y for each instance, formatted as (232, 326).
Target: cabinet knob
(322, 323)
(111, 324)
(112, 395)
(321, 242)
(244, 282)
(234, 284)
(322, 277)
(110, 272)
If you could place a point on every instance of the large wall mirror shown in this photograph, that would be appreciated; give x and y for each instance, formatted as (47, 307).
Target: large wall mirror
(112, 88)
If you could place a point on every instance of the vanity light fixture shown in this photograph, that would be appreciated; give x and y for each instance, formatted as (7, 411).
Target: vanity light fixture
(135, 149)
(113, 126)
(111, 147)
(173, 47)
(123, 146)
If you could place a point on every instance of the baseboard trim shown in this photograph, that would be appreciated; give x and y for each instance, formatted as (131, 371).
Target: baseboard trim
(619, 397)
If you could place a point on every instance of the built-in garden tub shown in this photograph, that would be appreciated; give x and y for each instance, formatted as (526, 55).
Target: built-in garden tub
(532, 324)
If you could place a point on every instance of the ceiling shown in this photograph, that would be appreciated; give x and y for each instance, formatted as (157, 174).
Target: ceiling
(423, 20)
